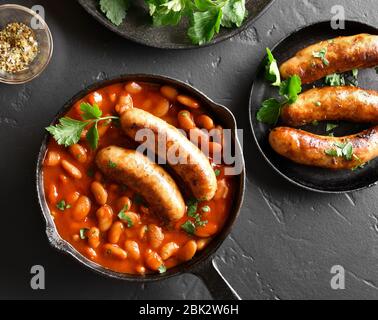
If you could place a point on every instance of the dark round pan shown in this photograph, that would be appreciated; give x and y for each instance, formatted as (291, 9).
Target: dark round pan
(203, 264)
(138, 27)
(315, 179)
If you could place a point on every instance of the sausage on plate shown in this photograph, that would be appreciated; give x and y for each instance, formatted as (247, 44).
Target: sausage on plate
(309, 149)
(188, 162)
(332, 56)
(152, 182)
(332, 103)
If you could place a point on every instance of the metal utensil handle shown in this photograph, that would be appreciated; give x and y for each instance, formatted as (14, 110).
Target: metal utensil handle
(218, 286)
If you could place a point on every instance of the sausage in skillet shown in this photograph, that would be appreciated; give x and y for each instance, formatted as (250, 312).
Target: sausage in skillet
(332, 103)
(313, 150)
(333, 56)
(192, 165)
(145, 177)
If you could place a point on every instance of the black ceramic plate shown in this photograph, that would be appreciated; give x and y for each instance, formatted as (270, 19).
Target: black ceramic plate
(316, 179)
(137, 26)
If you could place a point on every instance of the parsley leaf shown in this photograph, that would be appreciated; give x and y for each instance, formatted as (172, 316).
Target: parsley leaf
(217, 172)
(189, 227)
(162, 269)
(68, 131)
(335, 80)
(272, 72)
(234, 13)
(90, 112)
(322, 54)
(206, 209)
(206, 16)
(83, 233)
(331, 126)
(348, 151)
(115, 10)
(122, 215)
(93, 136)
(62, 205)
(112, 165)
(166, 12)
(192, 207)
(290, 89)
(332, 153)
(204, 25)
(269, 112)
(342, 150)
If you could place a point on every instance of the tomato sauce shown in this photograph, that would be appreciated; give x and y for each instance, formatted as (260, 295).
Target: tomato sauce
(62, 191)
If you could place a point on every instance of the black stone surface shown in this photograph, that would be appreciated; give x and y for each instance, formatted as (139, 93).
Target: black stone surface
(286, 240)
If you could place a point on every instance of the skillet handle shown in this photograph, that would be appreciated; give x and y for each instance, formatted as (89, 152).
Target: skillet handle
(218, 286)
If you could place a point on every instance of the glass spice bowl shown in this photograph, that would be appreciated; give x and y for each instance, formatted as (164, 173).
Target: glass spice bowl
(15, 13)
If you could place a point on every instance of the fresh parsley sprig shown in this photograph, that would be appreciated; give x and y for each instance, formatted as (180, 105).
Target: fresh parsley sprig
(205, 16)
(68, 131)
(289, 90)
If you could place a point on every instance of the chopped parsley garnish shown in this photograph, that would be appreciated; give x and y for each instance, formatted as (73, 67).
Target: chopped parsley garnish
(162, 269)
(217, 172)
(189, 227)
(68, 131)
(361, 165)
(318, 104)
(90, 172)
(122, 215)
(322, 55)
(342, 79)
(195, 221)
(335, 80)
(341, 150)
(206, 209)
(62, 205)
(192, 207)
(83, 233)
(331, 126)
(112, 165)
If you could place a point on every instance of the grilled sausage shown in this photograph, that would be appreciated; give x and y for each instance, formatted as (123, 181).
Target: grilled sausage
(312, 150)
(191, 164)
(142, 175)
(332, 103)
(338, 55)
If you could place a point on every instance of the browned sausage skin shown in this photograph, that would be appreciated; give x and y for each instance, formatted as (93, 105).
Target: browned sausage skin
(332, 103)
(310, 149)
(193, 166)
(341, 54)
(145, 177)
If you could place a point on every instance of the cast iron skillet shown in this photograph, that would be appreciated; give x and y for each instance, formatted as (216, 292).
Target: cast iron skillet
(315, 179)
(203, 264)
(137, 26)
